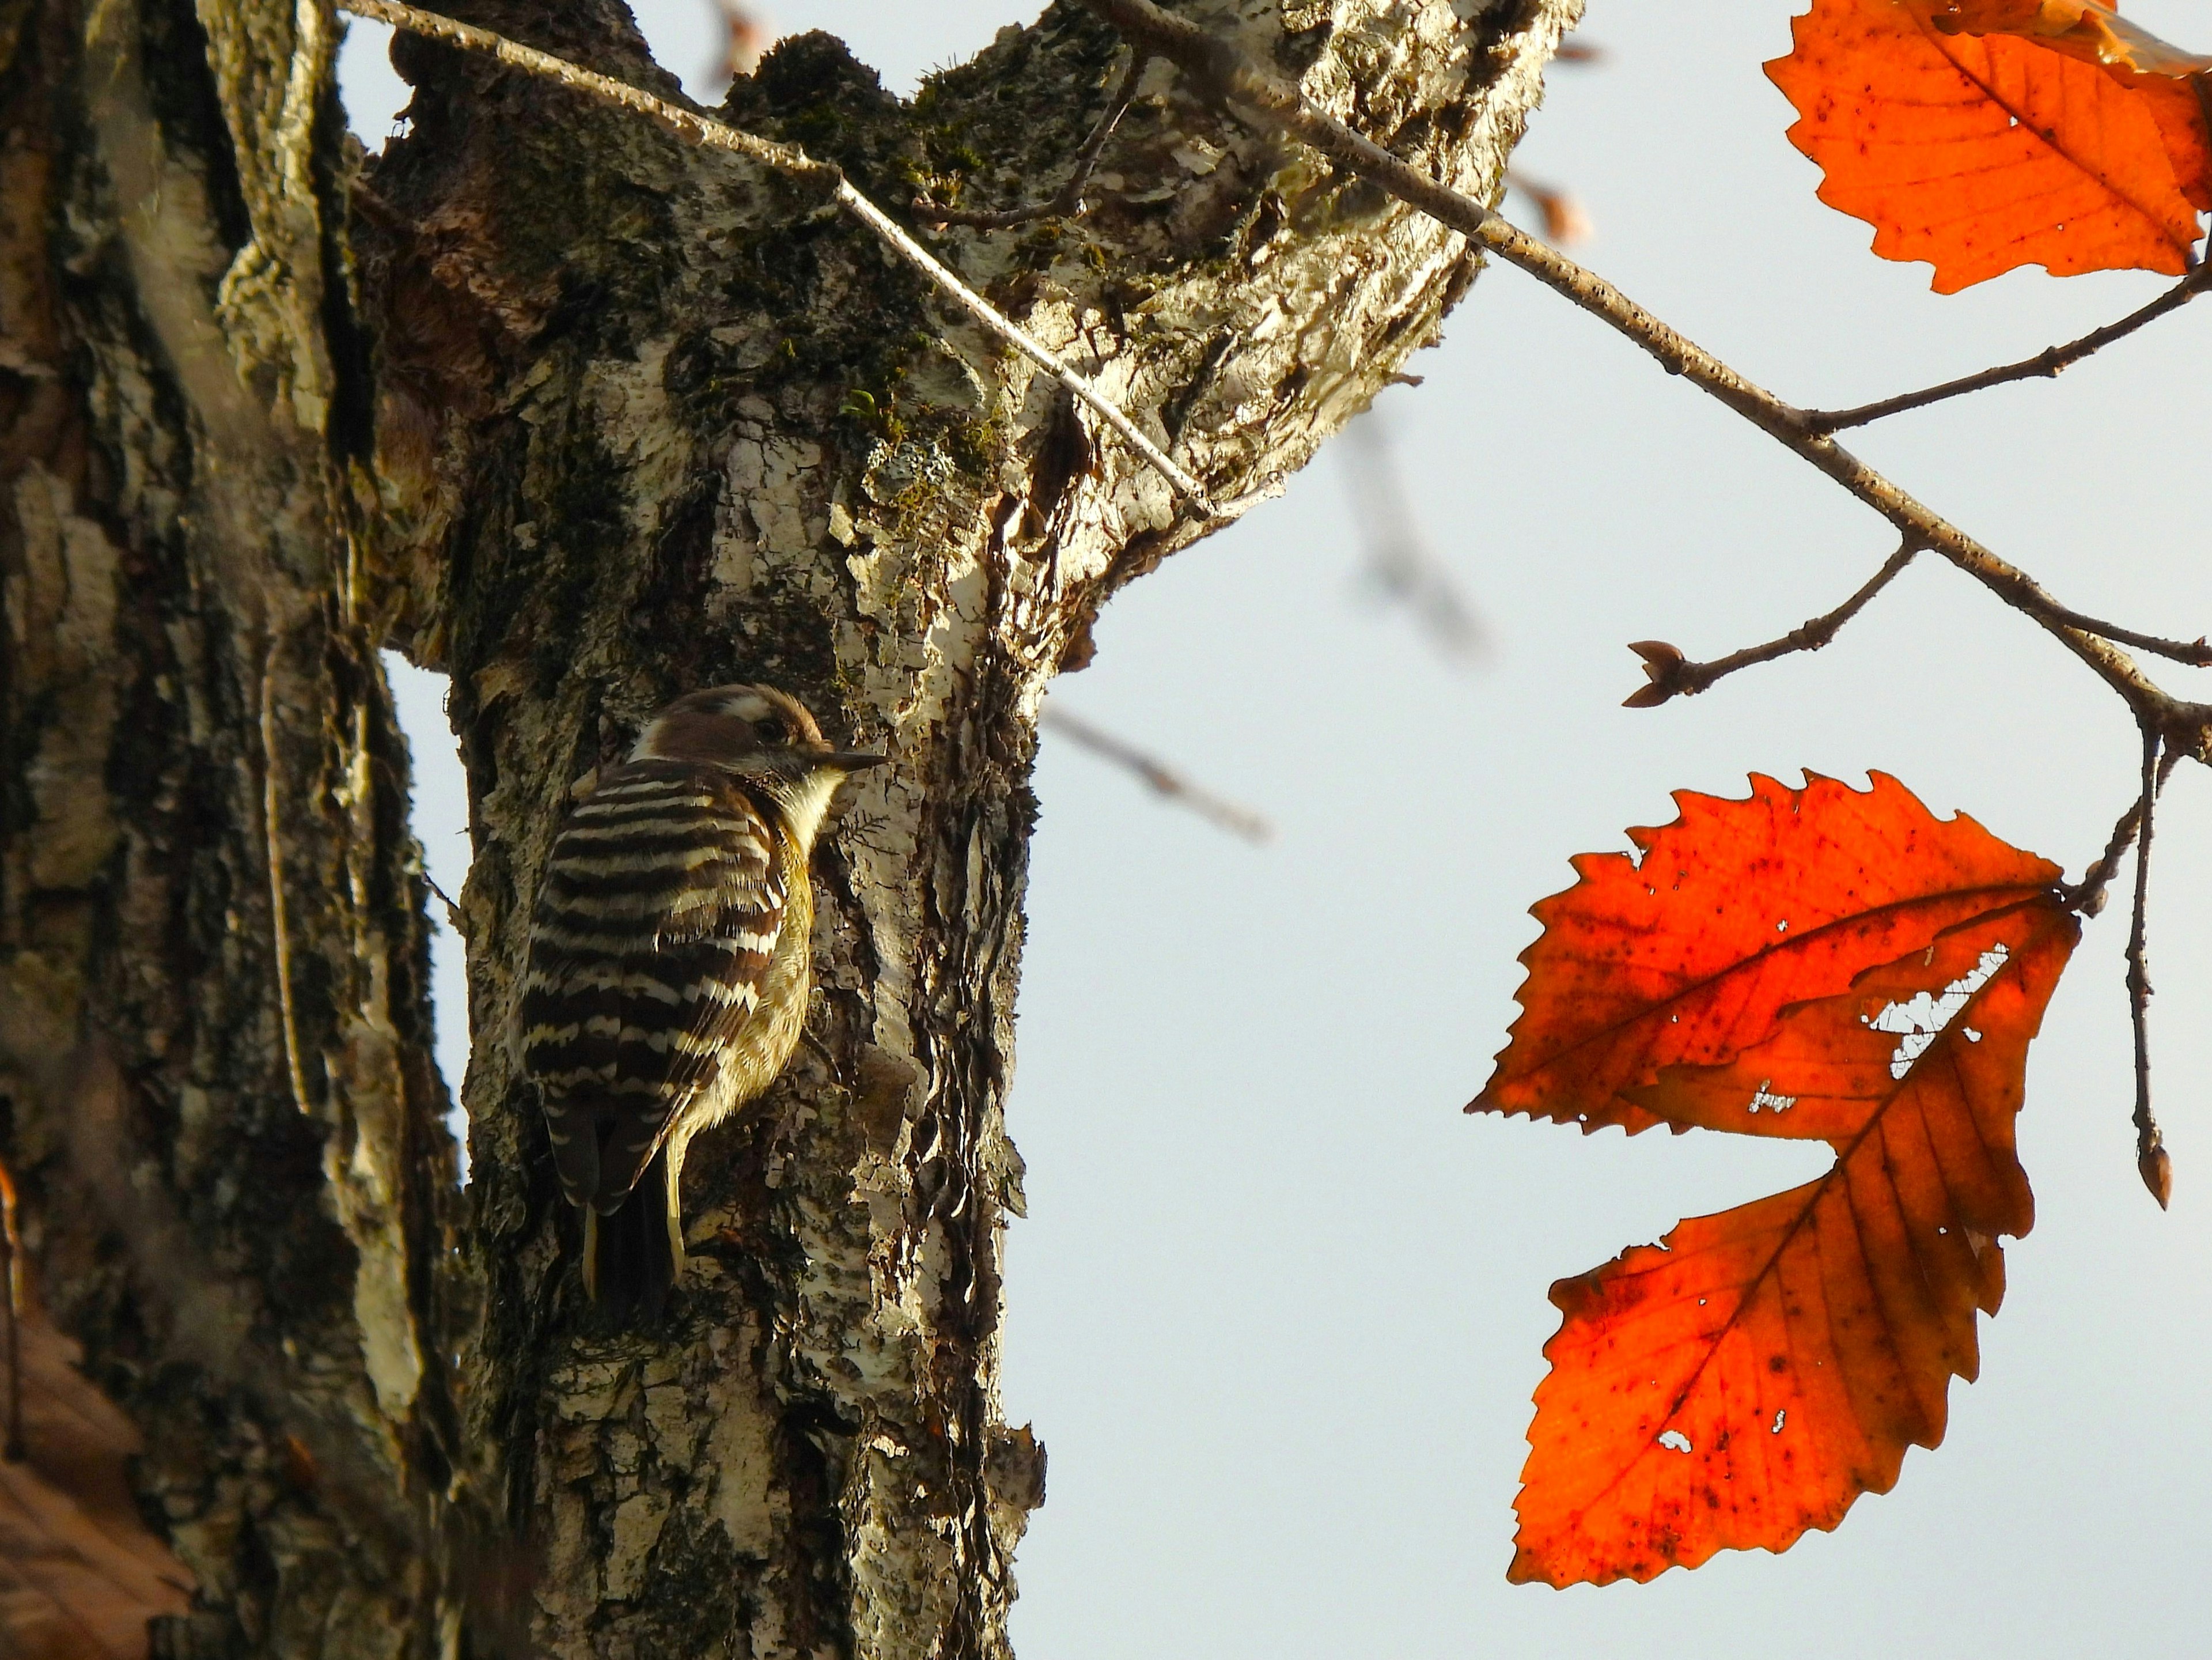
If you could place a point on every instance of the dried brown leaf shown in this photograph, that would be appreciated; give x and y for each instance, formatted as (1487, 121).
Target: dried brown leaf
(79, 1574)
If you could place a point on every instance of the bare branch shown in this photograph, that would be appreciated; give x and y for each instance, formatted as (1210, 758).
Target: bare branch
(1226, 74)
(1673, 675)
(793, 163)
(2048, 363)
(1068, 201)
(2151, 1158)
(1399, 560)
(1159, 776)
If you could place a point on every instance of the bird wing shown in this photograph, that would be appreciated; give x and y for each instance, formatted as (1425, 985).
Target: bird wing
(660, 908)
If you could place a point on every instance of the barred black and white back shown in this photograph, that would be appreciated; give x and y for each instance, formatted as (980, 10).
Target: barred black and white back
(660, 908)
(668, 970)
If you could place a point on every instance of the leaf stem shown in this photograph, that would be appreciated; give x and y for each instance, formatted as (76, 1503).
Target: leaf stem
(2087, 896)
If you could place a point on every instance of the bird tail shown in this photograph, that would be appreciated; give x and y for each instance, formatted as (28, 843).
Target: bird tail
(631, 1258)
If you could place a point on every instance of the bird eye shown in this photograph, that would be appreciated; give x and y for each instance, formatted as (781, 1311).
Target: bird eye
(770, 731)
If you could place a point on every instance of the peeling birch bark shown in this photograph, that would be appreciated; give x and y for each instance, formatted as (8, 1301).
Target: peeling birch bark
(636, 419)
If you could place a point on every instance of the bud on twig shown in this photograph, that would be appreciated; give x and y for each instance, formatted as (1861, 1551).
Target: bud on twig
(1662, 667)
(2157, 1171)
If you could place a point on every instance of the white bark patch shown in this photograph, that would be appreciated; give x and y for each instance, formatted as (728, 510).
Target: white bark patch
(767, 519)
(740, 1451)
(630, 402)
(1921, 1021)
(361, 1166)
(366, 1105)
(638, 1521)
(778, 507)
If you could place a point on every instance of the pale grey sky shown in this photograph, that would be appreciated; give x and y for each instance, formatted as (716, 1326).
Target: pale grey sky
(1279, 1307)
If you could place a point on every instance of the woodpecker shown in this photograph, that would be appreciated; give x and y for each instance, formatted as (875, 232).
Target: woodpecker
(669, 965)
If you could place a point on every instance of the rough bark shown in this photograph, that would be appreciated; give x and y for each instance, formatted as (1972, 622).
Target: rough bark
(214, 1083)
(643, 419)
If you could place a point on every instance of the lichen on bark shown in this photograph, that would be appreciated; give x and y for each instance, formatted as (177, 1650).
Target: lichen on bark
(583, 418)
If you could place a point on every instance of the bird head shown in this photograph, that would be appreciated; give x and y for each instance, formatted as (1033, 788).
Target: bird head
(764, 736)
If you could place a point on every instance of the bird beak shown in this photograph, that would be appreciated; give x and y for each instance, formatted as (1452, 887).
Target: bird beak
(848, 760)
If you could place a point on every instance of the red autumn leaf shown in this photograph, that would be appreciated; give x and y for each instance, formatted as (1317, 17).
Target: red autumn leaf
(2169, 82)
(80, 1575)
(1979, 152)
(1751, 1375)
(1685, 955)
(2088, 29)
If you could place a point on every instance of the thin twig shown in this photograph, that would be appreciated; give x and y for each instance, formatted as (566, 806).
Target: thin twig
(2048, 363)
(2151, 1158)
(1673, 675)
(1232, 78)
(2087, 895)
(453, 911)
(2196, 653)
(1237, 820)
(1068, 201)
(790, 160)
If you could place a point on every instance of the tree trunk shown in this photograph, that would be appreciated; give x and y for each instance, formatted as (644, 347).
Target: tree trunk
(214, 1082)
(600, 418)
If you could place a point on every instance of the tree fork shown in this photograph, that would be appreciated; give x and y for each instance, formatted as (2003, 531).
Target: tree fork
(643, 418)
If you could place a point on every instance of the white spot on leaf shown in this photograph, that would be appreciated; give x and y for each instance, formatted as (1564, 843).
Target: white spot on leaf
(1674, 1440)
(1765, 1097)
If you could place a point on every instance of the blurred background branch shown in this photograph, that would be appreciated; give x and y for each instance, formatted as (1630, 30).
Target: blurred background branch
(1157, 777)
